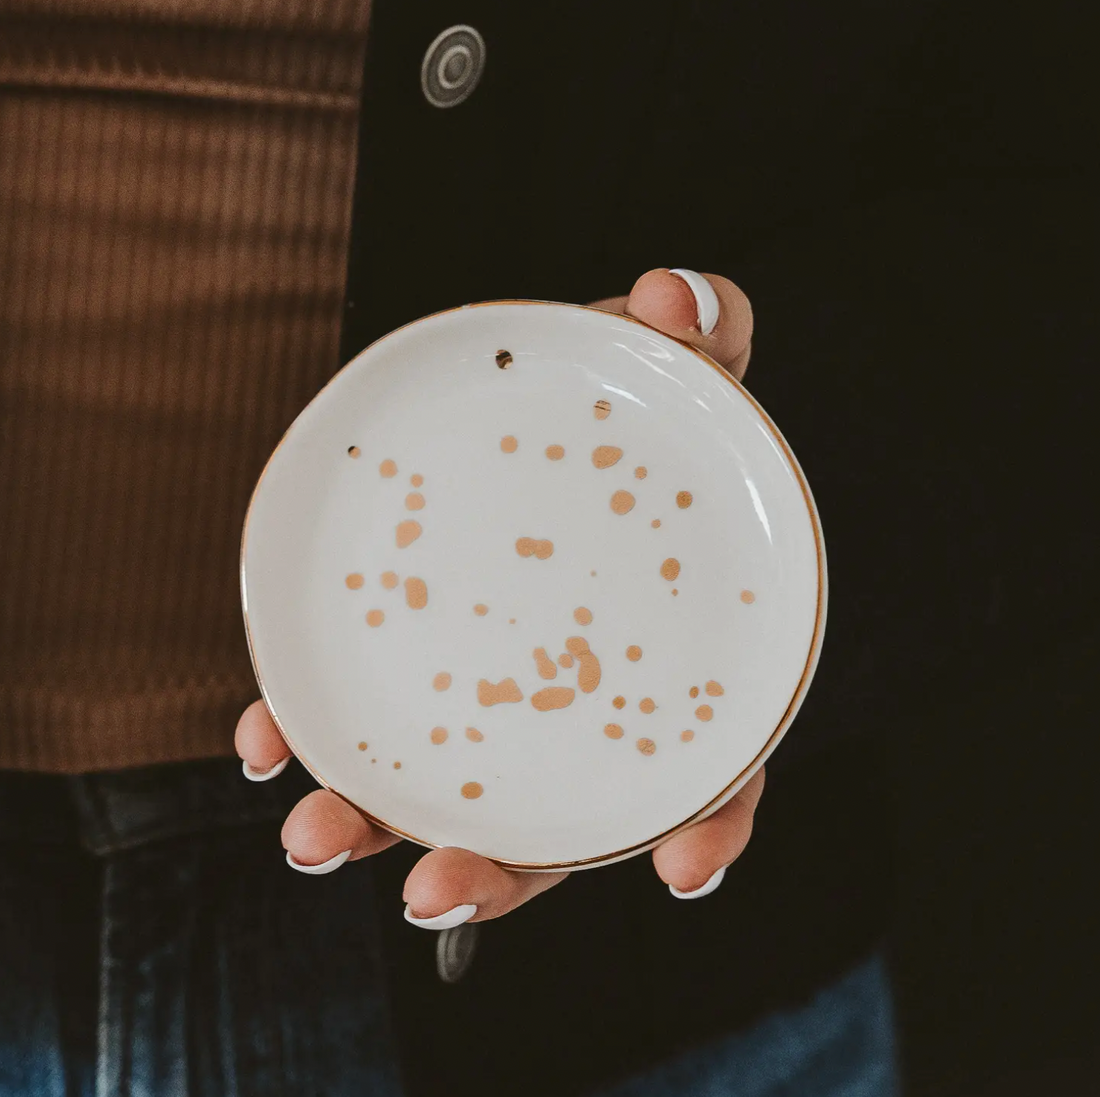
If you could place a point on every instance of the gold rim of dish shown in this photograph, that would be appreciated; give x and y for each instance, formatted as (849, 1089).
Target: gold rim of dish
(761, 755)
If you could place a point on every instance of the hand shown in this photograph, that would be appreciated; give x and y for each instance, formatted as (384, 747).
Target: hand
(450, 886)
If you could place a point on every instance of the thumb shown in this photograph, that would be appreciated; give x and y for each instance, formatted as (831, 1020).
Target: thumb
(705, 310)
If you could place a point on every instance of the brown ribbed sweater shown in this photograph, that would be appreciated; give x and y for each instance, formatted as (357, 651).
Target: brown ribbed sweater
(176, 180)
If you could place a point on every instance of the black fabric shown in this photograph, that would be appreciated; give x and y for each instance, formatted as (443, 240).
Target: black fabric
(607, 974)
(907, 194)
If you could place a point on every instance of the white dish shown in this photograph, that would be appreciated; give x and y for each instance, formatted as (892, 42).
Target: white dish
(517, 545)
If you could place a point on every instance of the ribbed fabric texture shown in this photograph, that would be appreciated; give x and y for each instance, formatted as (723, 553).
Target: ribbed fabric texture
(176, 183)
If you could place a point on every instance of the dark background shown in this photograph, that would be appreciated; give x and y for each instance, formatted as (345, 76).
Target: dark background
(907, 193)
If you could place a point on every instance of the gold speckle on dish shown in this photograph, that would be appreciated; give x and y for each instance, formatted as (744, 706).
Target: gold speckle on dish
(687, 736)
(544, 664)
(693, 692)
(441, 681)
(704, 713)
(354, 581)
(646, 746)
(388, 468)
(582, 615)
(588, 672)
(472, 790)
(439, 735)
(622, 502)
(354, 451)
(674, 592)
(670, 569)
(748, 597)
(641, 472)
(634, 653)
(362, 746)
(613, 731)
(375, 617)
(388, 579)
(416, 593)
(407, 532)
(416, 480)
(504, 359)
(647, 705)
(555, 452)
(508, 443)
(601, 409)
(414, 501)
(397, 765)
(565, 660)
(511, 620)
(529, 546)
(714, 689)
(683, 499)
(481, 609)
(619, 702)
(505, 692)
(656, 523)
(474, 735)
(603, 457)
(553, 697)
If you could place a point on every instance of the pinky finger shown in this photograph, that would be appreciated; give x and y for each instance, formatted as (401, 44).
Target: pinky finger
(258, 742)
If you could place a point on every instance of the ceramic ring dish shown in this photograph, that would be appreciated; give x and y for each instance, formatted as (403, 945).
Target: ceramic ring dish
(534, 580)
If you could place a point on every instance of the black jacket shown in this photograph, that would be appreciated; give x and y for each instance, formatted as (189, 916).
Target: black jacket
(906, 193)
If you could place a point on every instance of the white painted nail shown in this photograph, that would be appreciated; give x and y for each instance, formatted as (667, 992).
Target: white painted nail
(448, 920)
(331, 865)
(706, 889)
(706, 300)
(266, 774)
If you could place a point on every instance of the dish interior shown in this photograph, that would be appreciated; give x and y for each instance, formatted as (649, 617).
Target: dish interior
(533, 580)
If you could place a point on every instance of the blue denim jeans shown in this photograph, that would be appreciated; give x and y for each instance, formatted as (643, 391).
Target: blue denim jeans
(154, 944)
(839, 1045)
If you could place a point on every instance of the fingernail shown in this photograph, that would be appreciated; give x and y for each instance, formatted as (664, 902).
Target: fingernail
(706, 889)
(264, 775)
(331, 865)
(448, 920)
(706, 300)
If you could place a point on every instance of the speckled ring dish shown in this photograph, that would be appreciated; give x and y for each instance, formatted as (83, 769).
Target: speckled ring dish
(534, 580)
